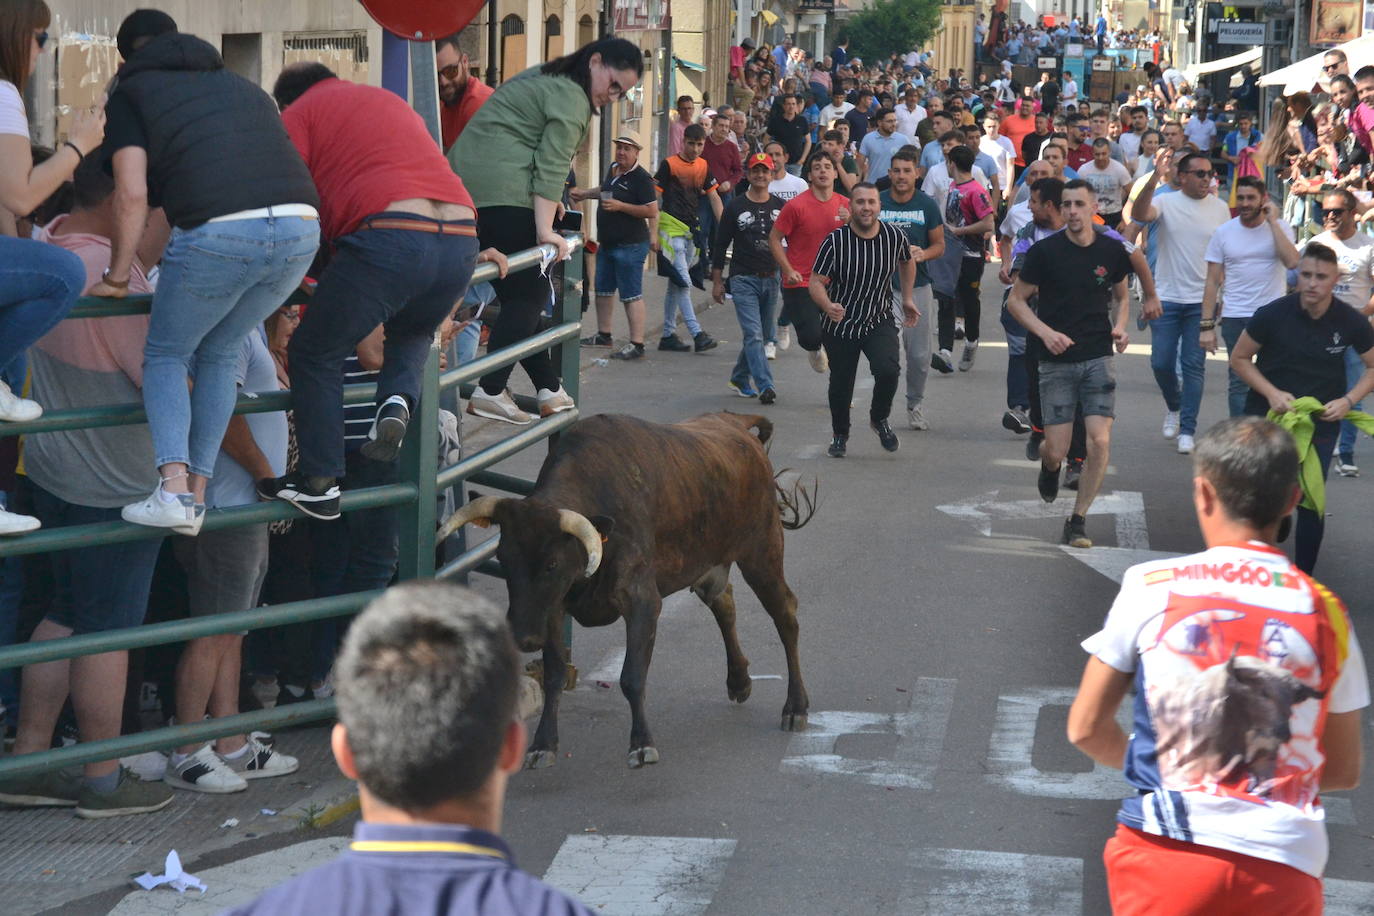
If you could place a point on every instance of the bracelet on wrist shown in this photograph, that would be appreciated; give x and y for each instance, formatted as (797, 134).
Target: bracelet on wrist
(80, 156)
(1207, 324)
(115, 284)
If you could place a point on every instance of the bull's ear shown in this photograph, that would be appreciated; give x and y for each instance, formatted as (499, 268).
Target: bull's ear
(604, 524)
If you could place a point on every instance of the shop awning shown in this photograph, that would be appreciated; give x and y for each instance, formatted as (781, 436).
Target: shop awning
(1225, 63)
(1306, 74)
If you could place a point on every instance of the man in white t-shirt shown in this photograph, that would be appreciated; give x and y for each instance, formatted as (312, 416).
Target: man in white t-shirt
(837, 108)
(1248, 255)
(1249, 685)
(784, 185)
(1185, 221)
(1070, 95)
(1109, 179)
(1355, 254)
(910, 113)
(1201, 131)
(999, 149)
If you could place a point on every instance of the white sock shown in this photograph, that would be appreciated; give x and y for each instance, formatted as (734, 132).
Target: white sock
(178, 758)
(237, 754)
(168, 498)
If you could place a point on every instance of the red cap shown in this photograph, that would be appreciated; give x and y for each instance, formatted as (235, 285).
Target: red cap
(760, 159)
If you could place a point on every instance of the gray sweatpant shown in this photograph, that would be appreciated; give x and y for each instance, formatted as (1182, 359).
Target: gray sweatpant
(916, 342)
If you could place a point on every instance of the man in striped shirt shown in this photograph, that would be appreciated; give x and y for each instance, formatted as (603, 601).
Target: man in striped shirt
(851, 284)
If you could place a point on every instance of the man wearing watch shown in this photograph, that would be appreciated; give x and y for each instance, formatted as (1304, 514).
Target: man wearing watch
(1295, 347)
(1249, 255)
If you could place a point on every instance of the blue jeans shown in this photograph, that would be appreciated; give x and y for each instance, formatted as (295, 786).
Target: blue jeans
(620, 268)
(1018, 381)
(218, 283)
(679, 298)
(1174, 339)
(405, 280)
(755, 299)
(39, 284)
(706, 218)
(1354, 368)
(778, 318)
(1236, 389)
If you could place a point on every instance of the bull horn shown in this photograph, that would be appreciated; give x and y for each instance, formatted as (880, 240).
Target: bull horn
(578, 526)
(480, 511)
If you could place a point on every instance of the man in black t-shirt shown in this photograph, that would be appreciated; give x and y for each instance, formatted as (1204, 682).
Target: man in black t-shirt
(1077, 274)
(1301, 342)
(791, 130)
(851, 284)
(745, 224)
(629, 205)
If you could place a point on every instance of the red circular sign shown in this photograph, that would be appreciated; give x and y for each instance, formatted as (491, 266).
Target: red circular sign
(422, 20)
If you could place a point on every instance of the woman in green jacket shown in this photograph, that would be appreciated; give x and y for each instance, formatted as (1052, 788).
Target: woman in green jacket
(513, 157)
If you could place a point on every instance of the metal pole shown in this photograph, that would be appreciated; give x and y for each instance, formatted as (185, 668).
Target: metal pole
(395, 54)
(419, 461)
(424, 86)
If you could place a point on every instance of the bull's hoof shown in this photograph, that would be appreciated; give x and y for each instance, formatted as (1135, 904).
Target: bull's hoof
(537, 760)
(739, 694)
(641, 756)
(794, 722)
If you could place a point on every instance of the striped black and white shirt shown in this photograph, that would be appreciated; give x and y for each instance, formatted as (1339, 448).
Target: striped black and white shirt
(860, 272)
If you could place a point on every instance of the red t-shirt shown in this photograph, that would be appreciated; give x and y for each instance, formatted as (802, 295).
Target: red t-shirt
(1015, 128)
(1079, 155)
(358, 174)
(805, 222)
(453, 118)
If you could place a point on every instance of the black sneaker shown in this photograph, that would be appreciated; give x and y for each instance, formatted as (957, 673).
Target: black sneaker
(703, 342)
(672, 343)
(296, 489)
(388, 431)
(596, 340)
(1033, 445)
(1073, 469)
(886, 436)
(1016, 420)
(1076, 535)
(629, 351)
(767, 396)
(837, 446)
(1049, 483)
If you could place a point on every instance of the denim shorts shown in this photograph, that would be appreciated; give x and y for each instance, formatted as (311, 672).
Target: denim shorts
(1065, 386)
(620, 268)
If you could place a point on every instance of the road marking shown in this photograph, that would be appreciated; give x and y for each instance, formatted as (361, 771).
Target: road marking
(1348, 898)
(1113, 562)
(1013, 737)
(920, 739)
(1127, 506)
(807, 452)
(637, 875)
(608, 672)
(1021, 464)
(976, 882)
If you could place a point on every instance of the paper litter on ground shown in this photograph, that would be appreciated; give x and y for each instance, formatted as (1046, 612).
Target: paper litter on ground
(174, 877)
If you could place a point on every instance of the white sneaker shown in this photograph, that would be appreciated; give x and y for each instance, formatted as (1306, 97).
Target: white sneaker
(149, 767)
(497, 407)
(14, 523)
(916, 419)
(819, 361)
(182, 515)
(970, 352)
(1170, 428)
(16, 409)
(1185, 445)
(770, 350)
(204, 771)
(261, 761)
(552, 402)
(784, 337)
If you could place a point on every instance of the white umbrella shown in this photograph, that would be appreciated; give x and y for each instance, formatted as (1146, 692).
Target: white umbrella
(1306, 74)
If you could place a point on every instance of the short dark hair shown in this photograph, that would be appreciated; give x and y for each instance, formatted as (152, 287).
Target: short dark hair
(955, 135)
(426, 687)
(1252, 181)
(962, 157)
(907, 154)
(1102, 142)
(1139, 109)
(683, 98)
(1183, 162)
(833, 134)
(1365, 73)
(1338, 78)
(1078, 184)
(91, 184)
(863, 186)
(1051, 191)
(448, 41)
(295, 79)
(1319, 252)
(694, 132)
(1346, 197)
(1253, 466)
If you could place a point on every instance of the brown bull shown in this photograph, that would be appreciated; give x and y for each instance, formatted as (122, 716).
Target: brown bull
(626, 512)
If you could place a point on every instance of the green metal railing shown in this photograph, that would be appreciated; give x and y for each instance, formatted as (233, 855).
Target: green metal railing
(421, 480)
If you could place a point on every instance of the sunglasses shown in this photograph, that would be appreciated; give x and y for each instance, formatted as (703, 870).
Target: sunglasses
(1334, 211)
(451, 72)
(1201, 173)
(41, 38)
(1327, 68)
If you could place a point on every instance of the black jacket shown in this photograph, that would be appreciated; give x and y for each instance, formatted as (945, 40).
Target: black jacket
(215, 141)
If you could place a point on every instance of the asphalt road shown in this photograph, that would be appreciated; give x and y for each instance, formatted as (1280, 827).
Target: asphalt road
(935, 777)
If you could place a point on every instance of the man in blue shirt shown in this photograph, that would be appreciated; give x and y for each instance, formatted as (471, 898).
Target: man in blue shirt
(431, 761)
(1244, 135)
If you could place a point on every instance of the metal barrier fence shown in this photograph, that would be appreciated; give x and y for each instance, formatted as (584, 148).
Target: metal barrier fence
(415, 495)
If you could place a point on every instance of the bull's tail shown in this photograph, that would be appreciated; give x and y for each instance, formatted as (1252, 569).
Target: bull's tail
(754, 421)
(796, 504)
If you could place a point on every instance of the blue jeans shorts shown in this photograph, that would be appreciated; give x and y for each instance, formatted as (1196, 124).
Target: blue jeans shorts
(1065, 386)
(620, 268)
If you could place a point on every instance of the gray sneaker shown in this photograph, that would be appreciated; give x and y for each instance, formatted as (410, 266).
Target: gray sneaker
(43, 790)
(131, 796)
(916, 418)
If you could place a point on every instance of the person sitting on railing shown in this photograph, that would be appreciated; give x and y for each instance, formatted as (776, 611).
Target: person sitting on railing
(82, 477)
(224, 570)
(207, 146)
(38, 284)
(432, 762)
(514, 156)
(404, 237)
